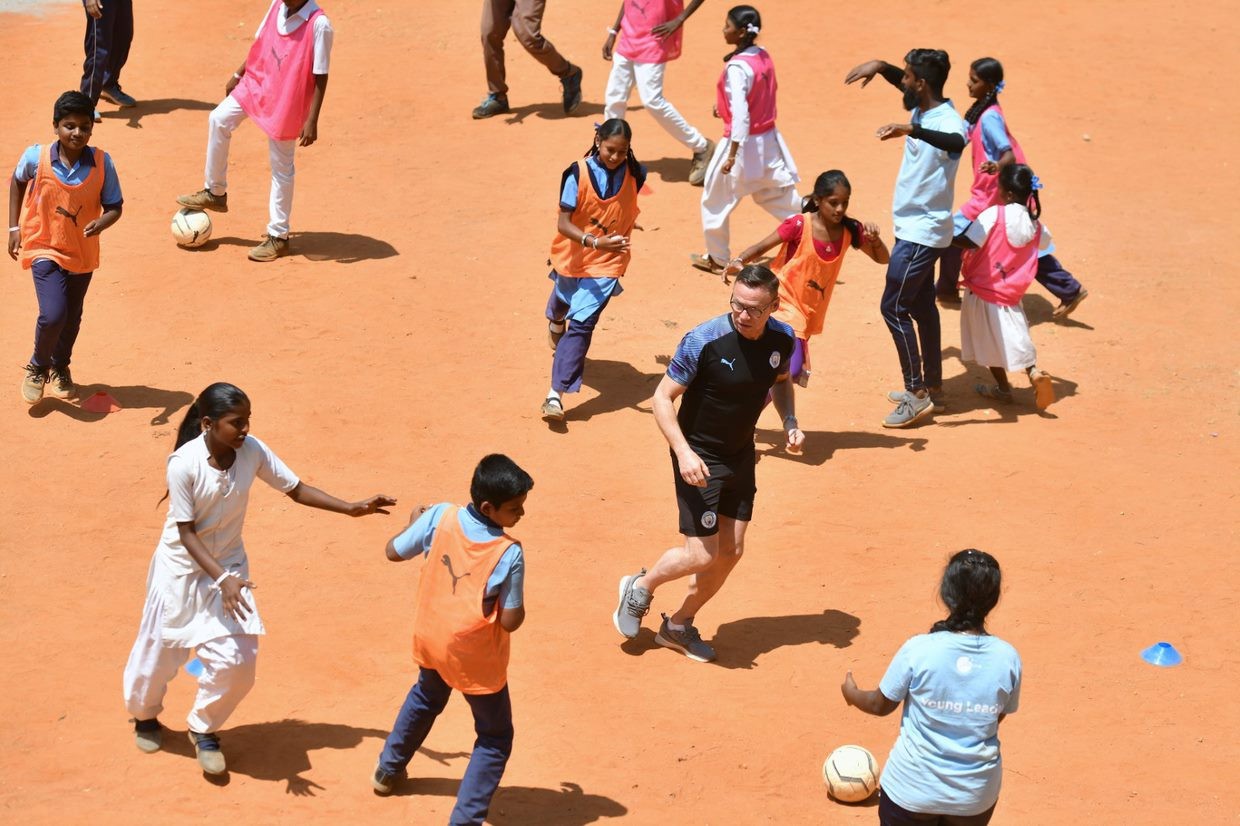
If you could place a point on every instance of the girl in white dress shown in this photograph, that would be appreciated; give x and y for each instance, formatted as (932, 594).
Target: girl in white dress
(752, 158)
(199, 594)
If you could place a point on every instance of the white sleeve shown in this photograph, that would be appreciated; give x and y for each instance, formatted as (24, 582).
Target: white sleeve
(180, 488)
(1045, 243)
(323, 34)
(981, 226)
(273, 471)
(737, 80)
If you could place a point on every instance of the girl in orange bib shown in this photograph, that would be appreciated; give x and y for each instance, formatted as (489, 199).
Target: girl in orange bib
(808, 271)
(469, 600)
(598, 209)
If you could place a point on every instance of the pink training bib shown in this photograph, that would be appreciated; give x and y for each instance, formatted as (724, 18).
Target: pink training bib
(998, 272)
(278, 85)
(985, 191)
(637, 42)
(761, 97)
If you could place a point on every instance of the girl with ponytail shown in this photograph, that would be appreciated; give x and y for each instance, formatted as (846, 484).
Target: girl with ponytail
(199, 594)
(808, 271)
(957, 683)
(1004, 240)
(752, 158)
(993, 148)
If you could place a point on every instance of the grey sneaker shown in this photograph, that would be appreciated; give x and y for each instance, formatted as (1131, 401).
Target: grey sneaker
(34, 383)
(148, 734)
(936, 399)
(697, 169)
(210, 758)
(687, 642)
(383, 782)
(553, 409)
(909, 411)
(634, 604)
(61, 383)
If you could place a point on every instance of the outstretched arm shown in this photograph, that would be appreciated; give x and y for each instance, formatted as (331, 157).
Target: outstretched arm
(866, 71)
(312, 497)
(874, 245)
(749, 253)
(871, 702)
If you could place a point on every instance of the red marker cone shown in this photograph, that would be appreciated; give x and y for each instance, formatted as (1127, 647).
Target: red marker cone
(101, 402)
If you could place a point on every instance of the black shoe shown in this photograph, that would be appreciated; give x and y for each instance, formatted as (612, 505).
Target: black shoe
(383, 783)
(492, 106)
(572, 90)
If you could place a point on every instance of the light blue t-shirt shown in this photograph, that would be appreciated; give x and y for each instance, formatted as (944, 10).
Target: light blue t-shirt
(954, 687)
(505, 586)
(28, 167)
(922, 206)
(995, 139)
(607, 182)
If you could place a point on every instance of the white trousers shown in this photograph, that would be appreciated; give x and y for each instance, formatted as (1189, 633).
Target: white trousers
(220, 125)
(228, 669)
(775, 192)
(648, 77)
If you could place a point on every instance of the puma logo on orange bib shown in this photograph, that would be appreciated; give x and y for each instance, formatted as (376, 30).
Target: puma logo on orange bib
(447, 560)
(72, 216)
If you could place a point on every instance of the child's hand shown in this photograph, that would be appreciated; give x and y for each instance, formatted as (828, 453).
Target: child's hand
(92, 228)
(93, 7)
(872, 233)
(607, 46)
(734, 266)
(848, 688)
(234, 601)
(726, 169)
(15, 243)
(614, 243)
(989, 167)
(893, 130)
(374, 504)
(665, 30)
(309, 133)
(233, 80)
(714, 111)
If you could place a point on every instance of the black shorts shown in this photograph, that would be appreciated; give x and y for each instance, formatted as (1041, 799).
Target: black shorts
(729, 492)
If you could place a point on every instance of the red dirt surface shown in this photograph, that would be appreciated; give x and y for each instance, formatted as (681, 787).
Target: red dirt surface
(404, 339)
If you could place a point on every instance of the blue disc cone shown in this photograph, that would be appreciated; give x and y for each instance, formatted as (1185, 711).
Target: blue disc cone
(1162, 654)
(194, 667)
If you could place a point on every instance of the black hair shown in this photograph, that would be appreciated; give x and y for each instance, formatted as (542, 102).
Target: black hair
(610, 128)
(1017, 179)
(991, 71)
(213, 402)
(930, 65)
(743, 17)
(72, 103)
(497, 480)
(756, 275)
(970, 589)
(824, 185)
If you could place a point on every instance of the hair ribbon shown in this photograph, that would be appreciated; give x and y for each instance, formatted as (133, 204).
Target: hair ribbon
(751, 28)
(1035, 184)
(1000, 86)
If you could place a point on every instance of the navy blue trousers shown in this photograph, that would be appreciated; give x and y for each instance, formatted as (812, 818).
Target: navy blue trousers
(1051, 275)
(107, 48)
(909, 297)
(492, 748)
(61, 295)
(568, 364)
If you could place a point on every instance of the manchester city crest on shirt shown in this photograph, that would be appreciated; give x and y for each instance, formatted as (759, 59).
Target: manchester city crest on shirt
(774, 359)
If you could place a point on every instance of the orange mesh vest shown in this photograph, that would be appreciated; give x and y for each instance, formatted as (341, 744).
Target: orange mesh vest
(806, 282)
(56, 213)
(450, 634)
(600, 217)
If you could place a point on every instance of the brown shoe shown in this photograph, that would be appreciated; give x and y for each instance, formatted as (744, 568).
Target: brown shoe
(33, 384)
(204, 199)
(62, 386)
(697, 170)
(705, 263)
(1065, 308)
(270, 249)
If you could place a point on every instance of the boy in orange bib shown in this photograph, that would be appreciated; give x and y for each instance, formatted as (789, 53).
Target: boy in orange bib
(469, 600)
(61, 196)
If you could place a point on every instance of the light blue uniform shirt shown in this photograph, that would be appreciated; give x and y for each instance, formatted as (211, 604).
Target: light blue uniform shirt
(505, 586)
(28, 167)
(954, 687)
(922, 206)
(994, 143)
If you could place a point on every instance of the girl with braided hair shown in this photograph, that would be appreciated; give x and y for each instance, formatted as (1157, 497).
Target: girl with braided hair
(993, 148)
(957, 683)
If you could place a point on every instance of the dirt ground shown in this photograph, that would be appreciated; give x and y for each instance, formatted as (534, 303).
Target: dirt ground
(404, 339)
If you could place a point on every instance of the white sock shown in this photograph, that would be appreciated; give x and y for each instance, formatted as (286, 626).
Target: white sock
(553, 394)
(671, 626)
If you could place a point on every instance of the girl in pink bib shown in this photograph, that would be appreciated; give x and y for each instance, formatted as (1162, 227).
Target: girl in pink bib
(281, 87)
(1002, 263)
(650, 37)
